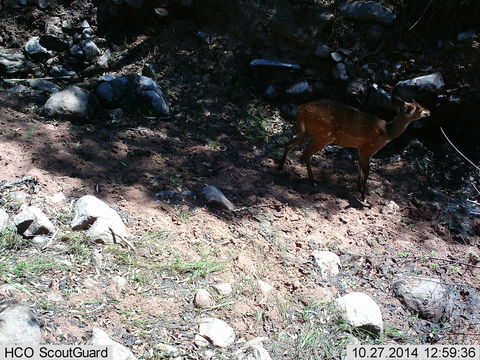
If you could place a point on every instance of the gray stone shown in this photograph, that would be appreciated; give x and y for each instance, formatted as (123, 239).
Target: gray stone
(19, 326)
(3, 219)
(54, 42)
(84, 24)
(328, 263)
(274, 63)
(361, 311)
(426, 297)
(73, 102)
(58, 70)
(216, 197)
(368, 11)
(35, 50)
(103, 223)
(148, 91)
(120, 352)
(337, 56)
(104, 59)
(157, 101)
(13, 62)
(43, 85)
(113, 91)
(203, 299)
(466, 35)
(419, 87)
(88, 34)
(76, 50)
(322, 51)
(217, 331)
(339, 72)
(300, 88)
(90, 49)
(32, 221)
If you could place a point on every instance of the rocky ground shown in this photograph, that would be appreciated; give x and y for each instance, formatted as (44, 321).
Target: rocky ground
(273, 267)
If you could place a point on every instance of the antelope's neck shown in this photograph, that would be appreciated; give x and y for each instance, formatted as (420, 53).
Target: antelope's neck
(397, 126)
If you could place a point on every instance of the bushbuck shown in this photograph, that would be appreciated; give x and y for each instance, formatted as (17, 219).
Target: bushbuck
(331, 122)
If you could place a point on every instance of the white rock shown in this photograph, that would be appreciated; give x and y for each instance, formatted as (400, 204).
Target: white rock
(119, 282)
(391, 208)
(328, 262)
(55, 297)
(200, 341)
(264, 287)
(360, 310)
(103, 223)
(258, 353)
(224, 289)
(253, 350)
(167, 349)
(19, 325)
(120, 352)
(58, 197)
(32, 221)
(217, 331)
(203, 299)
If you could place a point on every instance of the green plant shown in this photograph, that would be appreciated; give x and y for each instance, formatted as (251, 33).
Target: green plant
(10, 239)
(196, 269)
(30, 133)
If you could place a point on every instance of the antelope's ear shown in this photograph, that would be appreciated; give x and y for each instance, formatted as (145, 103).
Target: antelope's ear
(409, 109)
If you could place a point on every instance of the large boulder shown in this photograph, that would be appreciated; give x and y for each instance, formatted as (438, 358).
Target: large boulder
(419, 87)
(217, 331)
(73, 102)
(19, 326)
(368, 11)
(102, 222)
(134, 91)
(35, 50)
(14, 63)
(426, 297)
(361, 311)
(32, 221)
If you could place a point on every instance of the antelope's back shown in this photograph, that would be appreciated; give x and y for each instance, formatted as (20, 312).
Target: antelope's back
(329, 118)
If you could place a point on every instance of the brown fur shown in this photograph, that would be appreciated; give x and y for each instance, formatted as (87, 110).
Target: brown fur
(331, 122)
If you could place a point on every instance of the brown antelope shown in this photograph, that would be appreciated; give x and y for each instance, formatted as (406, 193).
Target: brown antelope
(331, 122)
